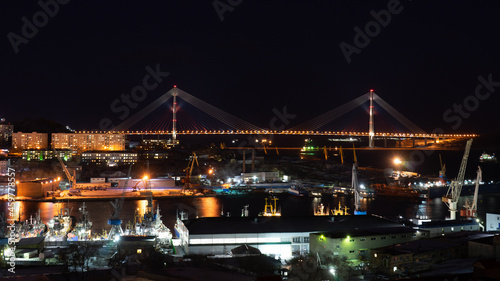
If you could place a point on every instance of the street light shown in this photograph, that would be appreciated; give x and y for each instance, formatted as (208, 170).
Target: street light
(397, 161)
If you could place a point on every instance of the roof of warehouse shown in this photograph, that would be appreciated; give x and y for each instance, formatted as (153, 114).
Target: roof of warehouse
(224, 225)
(368, 232)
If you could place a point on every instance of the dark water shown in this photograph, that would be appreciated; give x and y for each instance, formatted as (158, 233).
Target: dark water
(290, 206)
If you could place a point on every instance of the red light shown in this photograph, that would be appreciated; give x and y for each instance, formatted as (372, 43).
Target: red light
(175, 86)
(371, 90)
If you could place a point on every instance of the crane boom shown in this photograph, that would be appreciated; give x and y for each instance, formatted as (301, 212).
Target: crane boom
(71, 178)
(189, 170)
(355, 187)
(453, 193)
(470, 210)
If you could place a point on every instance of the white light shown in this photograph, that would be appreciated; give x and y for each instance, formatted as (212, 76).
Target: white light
(332, 271)
(395, 268)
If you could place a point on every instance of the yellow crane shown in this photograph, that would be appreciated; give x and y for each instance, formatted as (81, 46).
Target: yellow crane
(71, 178)
(189, 169)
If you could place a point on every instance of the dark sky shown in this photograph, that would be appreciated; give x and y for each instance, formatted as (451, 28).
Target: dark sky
(262, 55)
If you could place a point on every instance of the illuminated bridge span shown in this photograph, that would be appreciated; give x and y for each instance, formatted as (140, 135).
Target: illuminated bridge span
(287, 132)
(214, 121)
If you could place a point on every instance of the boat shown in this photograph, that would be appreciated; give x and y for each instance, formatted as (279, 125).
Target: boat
(83, 228)
(270, 210)
(34, 227)
(488, 158)
(59, 226)
(367, 193)
(294, 190)
(310, 152)
(148, 223)
(396, 190)
(300, 191)
(315, 194)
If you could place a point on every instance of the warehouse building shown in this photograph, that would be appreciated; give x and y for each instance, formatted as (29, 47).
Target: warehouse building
(280, 237)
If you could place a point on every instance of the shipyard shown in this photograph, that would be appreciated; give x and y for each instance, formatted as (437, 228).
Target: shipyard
(261, 205)
(242, 140)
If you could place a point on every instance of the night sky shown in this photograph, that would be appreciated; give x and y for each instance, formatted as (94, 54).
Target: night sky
(248, 57)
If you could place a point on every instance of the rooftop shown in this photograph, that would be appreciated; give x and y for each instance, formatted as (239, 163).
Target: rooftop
(224, 225)
(369, 232)
(447, 223)
(427, 245)
(30, 241)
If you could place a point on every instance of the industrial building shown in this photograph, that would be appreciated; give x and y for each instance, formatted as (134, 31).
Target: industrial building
(421, 255)
(4, 166)
(492, 222)
(45, 154)
(280, 237)
(32, 140)
(141, 183)
(260, 177)
(85, 141)
(440, 228)
(6, 130)
(108, 158)
(37, 188)
(357, 243)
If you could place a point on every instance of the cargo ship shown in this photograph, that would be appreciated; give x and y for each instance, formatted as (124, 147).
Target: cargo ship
(396, 190)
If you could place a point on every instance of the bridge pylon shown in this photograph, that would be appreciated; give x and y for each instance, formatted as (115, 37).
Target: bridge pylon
(371, 132)
(174, 111)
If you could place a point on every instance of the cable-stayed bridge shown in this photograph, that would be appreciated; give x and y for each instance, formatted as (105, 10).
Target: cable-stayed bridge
(179, 113)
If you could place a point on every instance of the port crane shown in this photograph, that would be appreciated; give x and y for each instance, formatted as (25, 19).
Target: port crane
(189, 170)
(453, 193)
(71, 178)
(471, 207)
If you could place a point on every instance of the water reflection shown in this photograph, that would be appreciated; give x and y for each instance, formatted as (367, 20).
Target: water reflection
(100, 211)
(207, 206)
